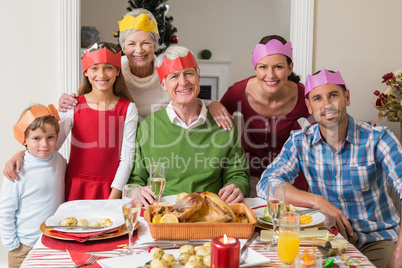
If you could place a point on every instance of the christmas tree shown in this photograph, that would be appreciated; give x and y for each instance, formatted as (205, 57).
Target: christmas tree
(159, 8)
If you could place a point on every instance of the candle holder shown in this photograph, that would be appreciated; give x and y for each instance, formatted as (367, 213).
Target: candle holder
(225, 252)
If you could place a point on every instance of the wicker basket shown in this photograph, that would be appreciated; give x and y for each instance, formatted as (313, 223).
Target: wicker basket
(202, 230)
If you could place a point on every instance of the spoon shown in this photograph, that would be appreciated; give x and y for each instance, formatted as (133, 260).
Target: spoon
(245, 246)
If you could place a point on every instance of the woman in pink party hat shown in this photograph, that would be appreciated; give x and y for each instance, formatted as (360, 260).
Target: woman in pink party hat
(271, 102)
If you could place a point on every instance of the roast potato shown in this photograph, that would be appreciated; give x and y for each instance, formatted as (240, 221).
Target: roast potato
(69, 222)
(183, 257)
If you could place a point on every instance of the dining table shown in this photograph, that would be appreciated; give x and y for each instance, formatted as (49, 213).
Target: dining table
(59, 252)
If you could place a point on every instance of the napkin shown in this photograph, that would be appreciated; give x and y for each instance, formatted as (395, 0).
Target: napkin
(309, 236)
(94, 245)
(316, 233)
(142, 212)
(334, 247)
(82, 237)
(81, 257)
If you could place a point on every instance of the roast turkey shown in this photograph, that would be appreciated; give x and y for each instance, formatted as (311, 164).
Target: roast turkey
(201, 207)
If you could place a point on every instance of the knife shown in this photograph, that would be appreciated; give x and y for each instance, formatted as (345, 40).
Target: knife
(308, 211)
(170, 244)
(75, 227)
(248, 242)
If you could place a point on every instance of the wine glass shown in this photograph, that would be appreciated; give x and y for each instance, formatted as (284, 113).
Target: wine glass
(276, 204)
(157, 180)
(131, 200)
(288, 239)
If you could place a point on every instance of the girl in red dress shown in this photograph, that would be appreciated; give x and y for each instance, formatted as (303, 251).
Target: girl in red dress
(103, 126)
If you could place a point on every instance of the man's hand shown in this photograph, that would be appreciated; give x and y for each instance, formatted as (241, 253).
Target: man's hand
(342, 222)
(13, 166)
(231, 194)
(220, 115)
(66, 102)
(147, 197)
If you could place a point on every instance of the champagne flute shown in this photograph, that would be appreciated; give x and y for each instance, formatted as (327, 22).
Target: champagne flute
(276, 204)
(131, 200)
(157, 180)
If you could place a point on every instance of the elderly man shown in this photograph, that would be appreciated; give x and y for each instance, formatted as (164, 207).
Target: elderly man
(199, 155)
(344, 162)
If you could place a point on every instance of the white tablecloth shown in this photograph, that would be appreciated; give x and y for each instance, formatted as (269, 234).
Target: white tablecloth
(41, 256)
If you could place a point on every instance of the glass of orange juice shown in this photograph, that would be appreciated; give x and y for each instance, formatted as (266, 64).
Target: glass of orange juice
(288, 238)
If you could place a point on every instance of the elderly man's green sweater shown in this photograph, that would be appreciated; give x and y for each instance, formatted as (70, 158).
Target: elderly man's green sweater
(205, 158)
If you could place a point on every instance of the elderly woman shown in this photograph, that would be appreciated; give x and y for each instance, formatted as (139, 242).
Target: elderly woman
(139, 39)
(271, 102)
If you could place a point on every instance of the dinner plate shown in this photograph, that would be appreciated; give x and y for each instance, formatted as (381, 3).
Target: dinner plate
(89, 215)
(123, 231)
(318, 217)
(168, 200)
(251, 257)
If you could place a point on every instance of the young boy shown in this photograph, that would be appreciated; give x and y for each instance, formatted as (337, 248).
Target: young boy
(29, 201)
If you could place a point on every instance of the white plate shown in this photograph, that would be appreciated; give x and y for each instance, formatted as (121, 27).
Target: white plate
(89, 215)
(318, 217)
(252, 258)
(168, 200)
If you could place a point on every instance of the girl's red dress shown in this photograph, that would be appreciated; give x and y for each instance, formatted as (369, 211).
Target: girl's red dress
(96, 139)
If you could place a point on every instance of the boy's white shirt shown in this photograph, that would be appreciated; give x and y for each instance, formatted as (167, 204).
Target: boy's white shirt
(26, 203)
(127, 148)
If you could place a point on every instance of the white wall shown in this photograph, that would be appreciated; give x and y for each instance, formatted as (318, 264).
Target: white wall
(29, 66)
(362, 39)
(104, 17)
(230, 29)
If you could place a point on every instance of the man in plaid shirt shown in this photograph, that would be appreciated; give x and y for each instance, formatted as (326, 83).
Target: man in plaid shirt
(346, 164)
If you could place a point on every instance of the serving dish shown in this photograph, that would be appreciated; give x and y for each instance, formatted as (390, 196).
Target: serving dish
(252, 258)
(199, 230)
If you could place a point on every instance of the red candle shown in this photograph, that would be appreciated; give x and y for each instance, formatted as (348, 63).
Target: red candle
(225, 252)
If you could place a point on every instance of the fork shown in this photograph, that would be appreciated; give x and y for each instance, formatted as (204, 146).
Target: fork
(90, 261)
